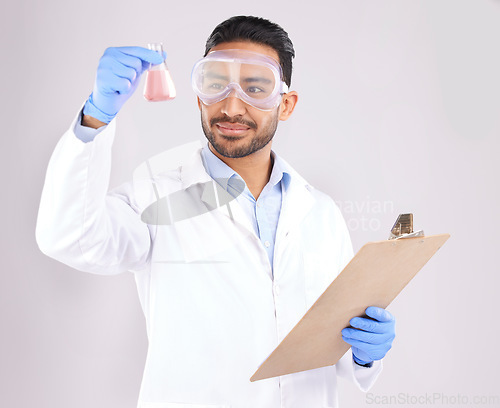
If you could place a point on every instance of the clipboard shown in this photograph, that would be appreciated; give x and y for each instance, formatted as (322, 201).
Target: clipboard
(374, 277)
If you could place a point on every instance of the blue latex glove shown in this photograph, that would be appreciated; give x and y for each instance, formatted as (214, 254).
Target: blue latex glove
(371, 338)
(118, 75)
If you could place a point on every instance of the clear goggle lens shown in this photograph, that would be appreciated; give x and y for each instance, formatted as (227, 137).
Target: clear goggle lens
(255, 78)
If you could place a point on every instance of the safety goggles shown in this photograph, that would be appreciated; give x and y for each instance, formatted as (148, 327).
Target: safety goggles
(255, 78)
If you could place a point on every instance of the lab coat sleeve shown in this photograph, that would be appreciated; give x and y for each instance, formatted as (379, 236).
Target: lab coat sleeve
(86, 134)
(363, 377)
(81, 224)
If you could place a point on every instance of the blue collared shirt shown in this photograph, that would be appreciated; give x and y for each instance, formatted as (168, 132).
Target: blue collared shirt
(265, 211)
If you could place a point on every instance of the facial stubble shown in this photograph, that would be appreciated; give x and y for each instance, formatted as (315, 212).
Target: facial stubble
(230, 149)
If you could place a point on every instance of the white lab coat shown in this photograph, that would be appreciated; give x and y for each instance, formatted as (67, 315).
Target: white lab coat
(213, 310)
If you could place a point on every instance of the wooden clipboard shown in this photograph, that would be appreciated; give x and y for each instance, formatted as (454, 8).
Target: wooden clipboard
(374, 277)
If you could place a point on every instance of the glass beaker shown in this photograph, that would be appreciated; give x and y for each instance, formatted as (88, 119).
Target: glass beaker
(159, 85)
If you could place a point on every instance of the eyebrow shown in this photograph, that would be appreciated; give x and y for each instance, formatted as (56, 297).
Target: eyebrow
(257, 79)
(214, 75)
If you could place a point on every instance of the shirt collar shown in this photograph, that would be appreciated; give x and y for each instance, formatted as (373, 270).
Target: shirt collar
(280, 172)
(224, 174)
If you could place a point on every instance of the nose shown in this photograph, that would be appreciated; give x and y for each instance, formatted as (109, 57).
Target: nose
(233, 106)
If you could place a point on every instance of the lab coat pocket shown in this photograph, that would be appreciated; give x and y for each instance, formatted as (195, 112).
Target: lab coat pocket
(178, 405)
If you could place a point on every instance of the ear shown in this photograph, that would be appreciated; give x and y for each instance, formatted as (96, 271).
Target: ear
(288, 102)
(199, 103)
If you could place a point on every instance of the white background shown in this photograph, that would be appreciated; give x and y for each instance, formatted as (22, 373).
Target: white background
(398, 112)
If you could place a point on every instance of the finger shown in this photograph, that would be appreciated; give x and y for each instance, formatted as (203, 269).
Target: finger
(124, 65)
(367, 337)
(143, 53)
(379, 314)
(369, 325)
(126, 60)
(116, 68)
(110, 83)
(371, 352)
(365, 347)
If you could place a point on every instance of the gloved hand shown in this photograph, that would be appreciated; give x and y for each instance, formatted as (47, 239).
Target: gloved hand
(371, 338)
(118, 75)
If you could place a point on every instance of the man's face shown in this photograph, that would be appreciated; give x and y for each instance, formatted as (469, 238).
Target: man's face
(234, 128)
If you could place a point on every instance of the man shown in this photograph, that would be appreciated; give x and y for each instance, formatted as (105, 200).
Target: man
(229, 249)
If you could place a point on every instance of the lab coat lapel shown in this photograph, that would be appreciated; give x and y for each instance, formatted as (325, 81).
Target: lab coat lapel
(297, 203)
(217, 198)
(193, 171)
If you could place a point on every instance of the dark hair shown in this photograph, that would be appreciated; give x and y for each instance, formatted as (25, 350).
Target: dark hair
(257, 30)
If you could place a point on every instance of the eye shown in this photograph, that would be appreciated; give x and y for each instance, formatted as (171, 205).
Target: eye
(254, 90)
(213, 87)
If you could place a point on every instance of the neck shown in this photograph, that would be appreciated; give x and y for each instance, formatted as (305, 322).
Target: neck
(255, 169)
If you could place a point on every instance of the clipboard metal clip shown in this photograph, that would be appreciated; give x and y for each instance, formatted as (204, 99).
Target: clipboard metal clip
(403, 228)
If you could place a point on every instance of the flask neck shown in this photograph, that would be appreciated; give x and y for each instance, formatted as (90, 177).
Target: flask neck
(158, 47)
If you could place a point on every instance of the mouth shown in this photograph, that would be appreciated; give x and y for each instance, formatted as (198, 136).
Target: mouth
(232, 129)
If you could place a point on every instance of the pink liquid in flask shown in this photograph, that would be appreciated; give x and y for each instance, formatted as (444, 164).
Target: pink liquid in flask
(159, 86)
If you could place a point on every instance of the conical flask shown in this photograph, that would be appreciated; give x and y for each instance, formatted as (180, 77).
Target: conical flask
(159, 85)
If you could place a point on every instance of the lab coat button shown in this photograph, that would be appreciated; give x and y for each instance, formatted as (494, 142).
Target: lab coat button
(267, 244)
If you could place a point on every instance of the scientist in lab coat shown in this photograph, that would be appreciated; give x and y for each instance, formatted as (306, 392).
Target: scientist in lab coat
(229, 248)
